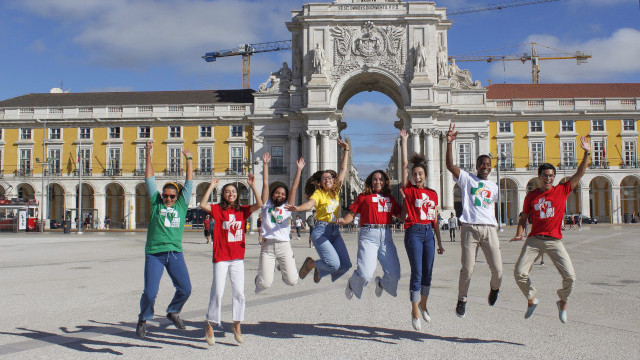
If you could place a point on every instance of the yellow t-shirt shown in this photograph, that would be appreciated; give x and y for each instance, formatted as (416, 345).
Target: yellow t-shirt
(327, 207)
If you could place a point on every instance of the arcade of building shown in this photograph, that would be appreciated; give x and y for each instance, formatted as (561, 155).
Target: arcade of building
(49, 141)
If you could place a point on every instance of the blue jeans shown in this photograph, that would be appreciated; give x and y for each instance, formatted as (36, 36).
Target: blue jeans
(418, 240)
(334, 257)
(372, 244)
(154, 265)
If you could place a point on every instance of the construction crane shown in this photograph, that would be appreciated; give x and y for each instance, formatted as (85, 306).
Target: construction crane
(246, 50)
(579, 56)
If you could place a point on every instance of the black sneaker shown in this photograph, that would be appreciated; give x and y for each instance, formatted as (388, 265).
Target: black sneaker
(175, 318)
(461, 308)
(493, 296)
(141, 329)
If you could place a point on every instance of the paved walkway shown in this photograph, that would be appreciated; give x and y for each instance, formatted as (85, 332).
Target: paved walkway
(77, 296)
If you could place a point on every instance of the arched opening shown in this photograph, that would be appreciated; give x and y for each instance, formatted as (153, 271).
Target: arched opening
(143, 211)
(533, 184)
(55, 197)
(600, 205)
(200, 190)
(508, 201)
(26, 192)
(457, 199)
(114, 196)
(88, 207)
(243, 193)
(629, 197)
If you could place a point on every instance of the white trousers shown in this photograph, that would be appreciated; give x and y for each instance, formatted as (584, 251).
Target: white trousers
(271, 251)
(235, 268)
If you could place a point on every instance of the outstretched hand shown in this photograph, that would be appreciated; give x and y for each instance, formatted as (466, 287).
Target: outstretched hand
(149, 145)
(452, 134)
(266, 158)
(404, 134)
(585, 144)
(251, 180)
(300, 163)
(290, 207)
(187, 153)
(343, 144)
(214, 181)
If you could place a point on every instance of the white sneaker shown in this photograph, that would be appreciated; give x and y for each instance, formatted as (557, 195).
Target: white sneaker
(425, 313)
(562, 314)
(531, 308)
(416, 324)
(378, 286)
(348, 292)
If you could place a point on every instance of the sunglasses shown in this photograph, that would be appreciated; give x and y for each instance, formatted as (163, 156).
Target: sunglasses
(169, 196)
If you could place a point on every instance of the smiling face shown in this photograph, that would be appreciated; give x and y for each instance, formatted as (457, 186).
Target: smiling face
(484, 167)
(279, 196)
(377, 182)
(546, 179)
(326, 181)
(229, 194)
(169, 196)
(418, 175)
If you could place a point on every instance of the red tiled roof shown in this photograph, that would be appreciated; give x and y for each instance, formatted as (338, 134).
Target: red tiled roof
(562, 91)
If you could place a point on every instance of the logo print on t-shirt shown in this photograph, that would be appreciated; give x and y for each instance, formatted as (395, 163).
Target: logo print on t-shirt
(331, 208)
(482, 196)
(384, 203)
(276, 216)
(234, 229)
(545, 208)
(170, 217)
(426, 206)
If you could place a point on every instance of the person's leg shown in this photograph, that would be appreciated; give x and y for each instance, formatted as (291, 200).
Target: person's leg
(177, 270)
(560, 258)
(413, 245)
(490, 245)
(329, 261)
(368, 244)
(236, 275)
(528, 254)
(388, 257)
(469, 250)
(153, 269)
(428, 254)
(343, 254)
(284, 255)
(214, 313)
(266, 265)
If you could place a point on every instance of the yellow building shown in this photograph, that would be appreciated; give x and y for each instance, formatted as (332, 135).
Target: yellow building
(50, 143)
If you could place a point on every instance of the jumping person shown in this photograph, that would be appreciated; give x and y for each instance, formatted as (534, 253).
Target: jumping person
(228, 253)
(323, 191)
(376, 207)
(545, 207)
(276, 244)
(478, 223)
(163, 248)
(421, 225)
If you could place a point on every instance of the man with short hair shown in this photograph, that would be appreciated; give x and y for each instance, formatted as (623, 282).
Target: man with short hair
(453, 225)
(545, 207)
(311, 221)
(478, 223)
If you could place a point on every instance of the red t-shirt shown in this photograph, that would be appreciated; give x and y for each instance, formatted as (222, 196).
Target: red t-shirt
(228, 232)
(421, 205)
(375, 208)
(546, 210)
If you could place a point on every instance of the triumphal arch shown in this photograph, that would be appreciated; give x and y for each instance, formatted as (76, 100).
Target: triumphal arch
(342, 48)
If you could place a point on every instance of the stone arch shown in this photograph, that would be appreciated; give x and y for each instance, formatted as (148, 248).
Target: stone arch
(629, 197)
(370, 79)
(200, 190)
(114, 202)
(25, 191)
(143, 209)
(88, 194)
(509, 208)
(600, 197)
(55, 201)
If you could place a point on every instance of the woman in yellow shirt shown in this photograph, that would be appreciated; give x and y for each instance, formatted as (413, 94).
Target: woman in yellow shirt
(323, 191)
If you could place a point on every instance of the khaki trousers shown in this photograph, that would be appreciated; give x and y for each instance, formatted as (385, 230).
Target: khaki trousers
(486, 237)
(554, 249)
(270, 252)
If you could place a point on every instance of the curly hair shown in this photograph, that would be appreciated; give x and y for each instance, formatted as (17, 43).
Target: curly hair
(418, 160)
(368, 183)
(234, 205)
(315, 182)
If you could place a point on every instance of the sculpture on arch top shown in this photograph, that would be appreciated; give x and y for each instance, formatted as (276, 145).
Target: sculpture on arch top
(420, 59)
(461, 79)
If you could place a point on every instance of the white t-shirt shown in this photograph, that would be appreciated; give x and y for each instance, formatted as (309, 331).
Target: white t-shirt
(275, 222)
(298, 222)
(478, 199)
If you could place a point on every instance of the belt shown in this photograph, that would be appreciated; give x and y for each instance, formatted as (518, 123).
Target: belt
(546, 237)
(377, 226)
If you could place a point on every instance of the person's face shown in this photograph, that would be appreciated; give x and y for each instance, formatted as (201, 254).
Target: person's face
(377, 182)
(279, 196)
(484, 168)
(327, 181)
(418, 176)
(546, 179)
(169, 196)
(230, 194)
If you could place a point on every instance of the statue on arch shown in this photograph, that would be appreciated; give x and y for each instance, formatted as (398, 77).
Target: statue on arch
(420, 59)
(443, 64)
(319, 60)
(461, 78)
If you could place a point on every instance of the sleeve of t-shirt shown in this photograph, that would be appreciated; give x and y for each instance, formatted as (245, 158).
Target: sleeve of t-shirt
(395, 207)
(186, 191)
(462, 179)
(355, 207)
(435, 194)
(152, 189)
(527, 204)
(316, 197)
(246, 211)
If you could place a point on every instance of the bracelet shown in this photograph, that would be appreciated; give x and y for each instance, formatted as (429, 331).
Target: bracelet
(588, 153)
(188, 157)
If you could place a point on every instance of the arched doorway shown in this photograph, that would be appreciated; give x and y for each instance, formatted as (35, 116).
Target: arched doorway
(142, 207)
(600, 198)
(629, 197)
(26, 192)
(114, 196)
(200, 190)
(508, 201)
(55, 196)
(88, 207)
(3, 194)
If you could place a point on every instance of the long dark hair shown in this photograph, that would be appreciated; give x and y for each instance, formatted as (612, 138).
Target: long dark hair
(315, 182)
(224, 204)
(368, 183)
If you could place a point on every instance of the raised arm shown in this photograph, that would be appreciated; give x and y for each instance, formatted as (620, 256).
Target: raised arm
(296, 181)
(148, 170)
(251, 180)
(204, 202)
(404, 136)
(345, 158)
(189, 158)
(306, 206)
(266, 159)
(451, 136)
(575, 179)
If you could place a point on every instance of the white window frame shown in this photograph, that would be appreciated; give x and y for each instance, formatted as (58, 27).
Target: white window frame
(170, 135)
(633, 152)
(282, 166)
(531, 153)
(115, 132)
(201, 127)
(140, 132)
(26, 131)
(141, 162)
(509, 160)
(51, 131)
(604, 125)
(178, 152)
(30, 159)
(461, 163)
(110, 165)
(633, 123)
(201, 158)
(54, 166)
(231, 158)
(85, 160)
(500, 122)
(80, 133)
(541, 126)
(570, 160)
(597, 146)
(573, 125)
(241, 131)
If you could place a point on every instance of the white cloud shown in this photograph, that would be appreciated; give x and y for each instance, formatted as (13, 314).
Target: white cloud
(38, 46)
(371, 113)
(614, 57)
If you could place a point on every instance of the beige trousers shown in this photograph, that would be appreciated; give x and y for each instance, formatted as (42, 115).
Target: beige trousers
(270, 252)
(535, 246)
(486, 237)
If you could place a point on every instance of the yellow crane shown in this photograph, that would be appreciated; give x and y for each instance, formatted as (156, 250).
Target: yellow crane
(580, 57)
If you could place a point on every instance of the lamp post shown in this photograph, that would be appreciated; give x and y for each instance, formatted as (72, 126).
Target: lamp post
(80, 167)
(503, 157)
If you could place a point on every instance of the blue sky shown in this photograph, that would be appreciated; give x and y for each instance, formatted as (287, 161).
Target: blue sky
(147, 45)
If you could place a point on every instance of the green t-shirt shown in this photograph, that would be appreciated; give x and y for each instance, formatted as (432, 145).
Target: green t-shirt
(166, 224)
